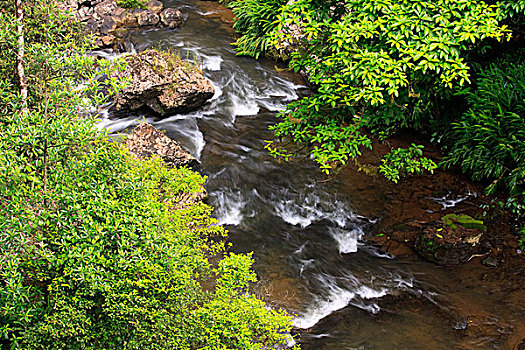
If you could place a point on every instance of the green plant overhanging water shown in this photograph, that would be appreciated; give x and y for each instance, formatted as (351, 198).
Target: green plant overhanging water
(94, 252)
(372, 64)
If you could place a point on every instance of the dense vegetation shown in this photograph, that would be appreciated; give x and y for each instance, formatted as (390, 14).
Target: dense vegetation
(450, 70)
(95, 251)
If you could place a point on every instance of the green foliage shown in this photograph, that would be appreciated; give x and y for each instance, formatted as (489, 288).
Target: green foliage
(331, 141)
(255, 19)
(509, 9)
(453, 220)
(376, 66)
(94, 251)
(489, 141)
(521, 241)
(131, 4)
(405, 161)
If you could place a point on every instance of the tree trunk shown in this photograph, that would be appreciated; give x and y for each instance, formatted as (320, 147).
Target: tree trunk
(20, 55)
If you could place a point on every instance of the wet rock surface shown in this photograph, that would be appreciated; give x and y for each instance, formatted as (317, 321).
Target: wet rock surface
(146, 141)
(164, 83)
(484, 294)
(111, 23)
(171, 18)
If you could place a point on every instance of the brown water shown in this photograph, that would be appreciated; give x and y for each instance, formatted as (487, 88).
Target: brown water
(306, 233)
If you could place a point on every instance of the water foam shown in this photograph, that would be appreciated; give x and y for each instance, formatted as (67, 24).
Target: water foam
(347, 240)
(228, 210)
(211, 63)
(306, 209)
(447, 202)
(336, 300)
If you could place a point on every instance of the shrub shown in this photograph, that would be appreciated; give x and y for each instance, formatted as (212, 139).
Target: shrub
(94, 252)
(489, 141)
(254, 20)
(375, 65)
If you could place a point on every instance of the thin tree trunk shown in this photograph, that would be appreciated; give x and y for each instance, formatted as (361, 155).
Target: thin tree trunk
(20, 55)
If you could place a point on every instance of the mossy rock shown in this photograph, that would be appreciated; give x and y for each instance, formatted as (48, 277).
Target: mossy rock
(453, 220)
(452, 240)
(444, 253)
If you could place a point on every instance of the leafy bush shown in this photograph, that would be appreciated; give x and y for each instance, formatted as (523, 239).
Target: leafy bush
(489, 141)
(380, 66)
(405, 161)
(374, 64)
(511, 9)
(94, 252)
(255, 19)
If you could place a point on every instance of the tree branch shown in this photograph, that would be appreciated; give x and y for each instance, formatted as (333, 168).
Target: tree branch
(20, 55)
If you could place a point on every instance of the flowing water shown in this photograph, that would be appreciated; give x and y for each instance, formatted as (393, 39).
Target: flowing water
(306, 233)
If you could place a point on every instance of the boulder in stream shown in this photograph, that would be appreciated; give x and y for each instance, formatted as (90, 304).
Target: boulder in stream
(451, 241)
(163, 82)
(171, 18)
(147, 18)
(146, 141)
(155, 6)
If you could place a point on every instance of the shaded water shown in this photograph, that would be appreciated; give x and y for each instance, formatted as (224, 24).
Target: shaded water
(305, 232)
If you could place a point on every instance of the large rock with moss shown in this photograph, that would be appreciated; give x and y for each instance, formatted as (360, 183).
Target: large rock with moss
(164, 83)
(451, 241)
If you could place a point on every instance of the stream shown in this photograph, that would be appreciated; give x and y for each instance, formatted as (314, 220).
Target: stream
(306, 233)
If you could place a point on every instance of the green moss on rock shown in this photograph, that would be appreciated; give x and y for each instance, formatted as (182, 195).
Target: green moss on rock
(453, 220)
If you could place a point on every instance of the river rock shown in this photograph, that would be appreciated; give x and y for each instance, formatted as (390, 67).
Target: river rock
(85, 14)
(164, 83)
(106, 8)
(147, 141)
(108, 25)
(119, 16)
(171, 18)
(451, 241)
(109, 40)
(147, 18)
(104, 17)
(131, 20)
(185, 97)
(91, 26)
(155, 6)
(490, 262)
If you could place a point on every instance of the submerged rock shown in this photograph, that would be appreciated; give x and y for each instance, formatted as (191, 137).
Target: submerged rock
(146, 141)
(490, 262)
(164, 83)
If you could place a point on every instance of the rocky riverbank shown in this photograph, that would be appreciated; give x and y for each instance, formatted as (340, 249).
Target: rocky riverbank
(111, 23)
